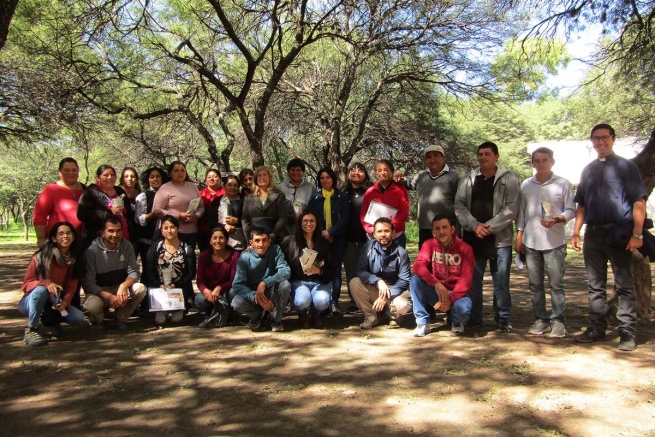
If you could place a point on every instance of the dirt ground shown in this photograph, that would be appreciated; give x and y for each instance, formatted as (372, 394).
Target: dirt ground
(183, 381)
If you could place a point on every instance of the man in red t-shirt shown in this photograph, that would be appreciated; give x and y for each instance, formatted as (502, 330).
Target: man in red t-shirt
(443, 274)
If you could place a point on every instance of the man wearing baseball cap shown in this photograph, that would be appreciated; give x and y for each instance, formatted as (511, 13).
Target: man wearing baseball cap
(436, 187)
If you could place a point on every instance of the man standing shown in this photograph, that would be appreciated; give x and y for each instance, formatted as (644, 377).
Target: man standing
(443, 274)
(611, 201)
(382, 276)
(261, 282)
(545, 207)
(297, 191)
(436, 187)
(486, 204)
(111, 277)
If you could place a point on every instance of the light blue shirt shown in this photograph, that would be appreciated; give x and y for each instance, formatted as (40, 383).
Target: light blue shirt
(556, 191)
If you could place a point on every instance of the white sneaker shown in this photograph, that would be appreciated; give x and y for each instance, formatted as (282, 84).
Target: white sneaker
(457, 329)
(422, 330)
(177, 316)
(160, 317)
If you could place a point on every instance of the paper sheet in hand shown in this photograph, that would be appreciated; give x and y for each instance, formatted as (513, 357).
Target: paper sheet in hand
(171, 299)
(193, 206)
(377, 210)
(307, 258)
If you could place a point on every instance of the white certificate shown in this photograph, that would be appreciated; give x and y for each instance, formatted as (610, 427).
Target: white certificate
(377, 210)
(307, 258)
(193, 206)
(171, 299)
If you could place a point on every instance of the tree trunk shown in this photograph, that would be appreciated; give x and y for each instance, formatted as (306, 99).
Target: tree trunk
(643, 283)
(7, 9)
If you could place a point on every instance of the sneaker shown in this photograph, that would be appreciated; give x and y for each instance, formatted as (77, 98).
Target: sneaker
(627, 343)
(160, 317)
(457, 329)
(558, 330)
(590, 336)
(539, 327)
(177, 316)
(393, 324)
(33, 338)
(255, 324)
(277, 327)
(504, 325)
(368, 324)
(421, 330)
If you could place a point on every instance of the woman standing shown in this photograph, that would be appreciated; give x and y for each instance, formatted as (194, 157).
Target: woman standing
(99, 201)
(216, 269)
(358, 183)
(51, 282)
(145, 214)
(171, 253)
(129, 182)
(246, 177)
(213, 190)
(389, 193)
(333, 213)
(176, 198)
(266, 207)
(58, 201)
(226, 211)
(310, 285)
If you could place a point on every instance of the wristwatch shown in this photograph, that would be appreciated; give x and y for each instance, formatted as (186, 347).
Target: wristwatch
(638, 237)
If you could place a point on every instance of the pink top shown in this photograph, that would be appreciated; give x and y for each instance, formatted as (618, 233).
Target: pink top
(57, 204)
(216, 273)
(174, 199)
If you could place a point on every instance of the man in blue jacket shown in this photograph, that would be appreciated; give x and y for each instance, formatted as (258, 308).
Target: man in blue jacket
(261, 283)
(382, 277)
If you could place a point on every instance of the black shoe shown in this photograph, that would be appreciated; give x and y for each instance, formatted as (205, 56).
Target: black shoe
(472, 324)
(277, 327)
(353, 309)
(334, 310)
(318, 323)
(589, 336)
(303, 318)
(121, 326)
(254, 325)
(504, 325)
(627, 343)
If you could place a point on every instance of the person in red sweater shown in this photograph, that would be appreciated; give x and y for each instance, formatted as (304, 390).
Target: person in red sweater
(390, 193)
(217, 267)
(443, 274)
(51, 282)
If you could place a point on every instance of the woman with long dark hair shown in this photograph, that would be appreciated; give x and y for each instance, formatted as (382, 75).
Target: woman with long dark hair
(51, 282)
(311, 283)
(145, 214)
(357, 184)
(333, 209)
(217, 267)
(129, 182)
(213, 190)
(174, 254)
(226, 211)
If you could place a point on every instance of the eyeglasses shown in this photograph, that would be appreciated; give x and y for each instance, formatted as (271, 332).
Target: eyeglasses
(65, 234)
(604, 138)
(308, 222)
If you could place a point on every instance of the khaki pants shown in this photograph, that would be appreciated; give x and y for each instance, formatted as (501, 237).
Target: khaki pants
(365, 295)
(94, 304)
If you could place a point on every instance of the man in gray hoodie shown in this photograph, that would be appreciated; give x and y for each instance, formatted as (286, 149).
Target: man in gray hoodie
(486, 204)
(111, 277)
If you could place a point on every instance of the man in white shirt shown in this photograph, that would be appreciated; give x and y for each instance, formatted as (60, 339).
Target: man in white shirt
(546, 205)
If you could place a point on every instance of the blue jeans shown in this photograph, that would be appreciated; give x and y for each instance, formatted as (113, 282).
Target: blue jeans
(499, 267)
(201, 302)
(308, 293)
(34, 303)
(279, 294)
(552, 261)
(423, 295)
(597, 252)
(338, 252)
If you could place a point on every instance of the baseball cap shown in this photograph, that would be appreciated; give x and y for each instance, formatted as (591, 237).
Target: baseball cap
(434, 148)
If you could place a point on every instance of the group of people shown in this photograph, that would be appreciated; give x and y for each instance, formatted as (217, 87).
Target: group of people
(265, 248)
